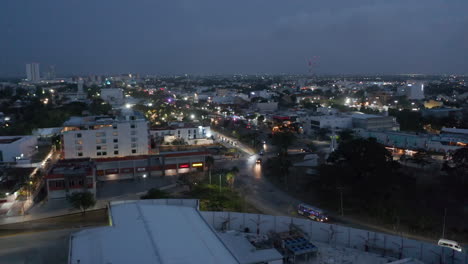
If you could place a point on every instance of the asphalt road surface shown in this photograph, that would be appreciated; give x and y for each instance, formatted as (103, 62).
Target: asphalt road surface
(49, 247)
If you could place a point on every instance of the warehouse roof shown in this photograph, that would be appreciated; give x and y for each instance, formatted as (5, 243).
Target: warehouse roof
(142, 232)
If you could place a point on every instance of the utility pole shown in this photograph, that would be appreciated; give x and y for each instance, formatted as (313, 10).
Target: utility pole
(443, 227)
(220, 182)
(341, 199)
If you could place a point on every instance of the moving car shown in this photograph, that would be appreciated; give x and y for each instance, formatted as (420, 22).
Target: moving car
(311, 212)
(259, 161)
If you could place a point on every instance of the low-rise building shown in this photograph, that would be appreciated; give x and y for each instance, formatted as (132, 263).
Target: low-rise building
(189, 133)
(164, 164)
(375, 122)
(311, 123)
(15, 148)
(113, 96)
(164, 231)
(69, 176)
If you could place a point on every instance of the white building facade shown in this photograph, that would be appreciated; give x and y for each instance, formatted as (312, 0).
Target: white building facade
(14, 148)
(188, 133)
(103, 137)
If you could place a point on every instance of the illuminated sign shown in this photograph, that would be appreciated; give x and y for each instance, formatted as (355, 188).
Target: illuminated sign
(197, 164)
(185, 165)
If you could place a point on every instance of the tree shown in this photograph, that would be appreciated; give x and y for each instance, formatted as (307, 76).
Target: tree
(82, 200)
(231, 176)
(366, 170)
(345, 135)
(155, 193)
(260, 119)
(283, 140)
(322, 133)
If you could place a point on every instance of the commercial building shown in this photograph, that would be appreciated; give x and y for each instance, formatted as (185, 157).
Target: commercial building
(374, 122)
(164, 164)
(69, 176)
(15, 148)
(32, 72)
(311, 123)
(163, 231)
(105, 136)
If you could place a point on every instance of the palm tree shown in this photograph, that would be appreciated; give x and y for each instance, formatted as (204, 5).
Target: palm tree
(209, 161)
(231, 176)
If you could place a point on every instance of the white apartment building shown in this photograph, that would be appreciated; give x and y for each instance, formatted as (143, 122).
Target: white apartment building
(189, 133)
(105, 136)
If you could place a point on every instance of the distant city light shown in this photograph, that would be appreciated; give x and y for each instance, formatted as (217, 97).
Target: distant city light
(128, 106)
(192, 116)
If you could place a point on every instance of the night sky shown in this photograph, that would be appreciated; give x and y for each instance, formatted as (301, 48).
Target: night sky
(236, 36)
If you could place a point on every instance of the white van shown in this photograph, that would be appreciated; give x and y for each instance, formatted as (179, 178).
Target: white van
(450, 244)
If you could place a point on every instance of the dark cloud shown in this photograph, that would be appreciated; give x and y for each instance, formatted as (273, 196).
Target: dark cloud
(247, 36)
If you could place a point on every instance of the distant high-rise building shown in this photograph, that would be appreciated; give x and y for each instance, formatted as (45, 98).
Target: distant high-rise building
(51, 72)
(32, 72)
(80, 86)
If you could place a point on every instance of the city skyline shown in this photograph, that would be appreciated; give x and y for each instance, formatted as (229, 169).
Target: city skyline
(210, 37)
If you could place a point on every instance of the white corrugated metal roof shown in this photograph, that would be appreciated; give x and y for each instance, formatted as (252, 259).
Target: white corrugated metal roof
(150, 233)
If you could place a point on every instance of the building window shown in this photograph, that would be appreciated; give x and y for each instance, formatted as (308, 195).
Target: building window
(132, 126)
(194, 131)
(133, 151)
(80, 182)
(104, 153)
(132, 117)
(101, 141)
(114, 126)
(80, 154)
(116, 152)
(134, 145)
(116, 140)
(79, 142)
(115, 133)
(79, 147)
(98, 147)
(134, 139)
(98, 154)
(100, 134)
(190, 131)
(78, 135)
(116, 146)
(178, 132)
(133, 133)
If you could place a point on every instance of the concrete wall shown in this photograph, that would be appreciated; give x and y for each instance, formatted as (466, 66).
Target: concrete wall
(384, 244)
